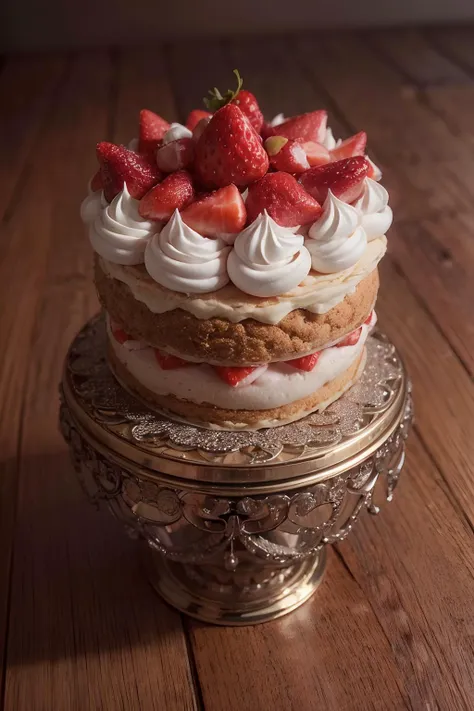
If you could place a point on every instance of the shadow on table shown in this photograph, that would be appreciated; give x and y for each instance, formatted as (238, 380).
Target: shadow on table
(77, 586)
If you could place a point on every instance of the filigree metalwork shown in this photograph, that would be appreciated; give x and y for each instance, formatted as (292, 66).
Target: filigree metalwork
(111, 405)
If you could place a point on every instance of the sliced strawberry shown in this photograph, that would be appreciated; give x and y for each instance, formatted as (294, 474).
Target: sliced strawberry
(345, 179)
(306, 363)
(239, 377)
(174, 193)
(306, 127)
(267, 130)
(119, 334)
(316, 153)
(351, 339)
(230, 150)
(374, 171)
(286, 154)
(96, 182)
(353, 146)
(118, 165)
(152, 130)
(284, 200)
(217, 214)
(368, 319)
(176, 155)
(195, 116)
(166, 361)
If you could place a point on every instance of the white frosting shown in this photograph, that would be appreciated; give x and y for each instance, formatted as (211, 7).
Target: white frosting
(267, 259)
(92, 205)
(318, 293)
(329, 141)
(176, 131)
(377, 215)
(277, 385)
(118, 233)
(277, 120)
(184, 261)
(337, 240)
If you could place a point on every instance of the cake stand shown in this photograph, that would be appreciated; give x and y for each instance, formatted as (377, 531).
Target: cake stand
(233, 526)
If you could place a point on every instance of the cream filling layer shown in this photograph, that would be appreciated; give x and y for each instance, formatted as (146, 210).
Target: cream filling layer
(317, 293)
(280, 384)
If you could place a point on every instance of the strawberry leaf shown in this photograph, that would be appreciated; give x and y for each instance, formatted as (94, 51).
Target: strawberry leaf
(216, 100)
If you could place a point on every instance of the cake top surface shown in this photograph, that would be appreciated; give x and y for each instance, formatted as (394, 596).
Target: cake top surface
(231, 200)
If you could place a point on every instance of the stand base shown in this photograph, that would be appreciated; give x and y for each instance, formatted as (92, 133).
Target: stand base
(249, 595)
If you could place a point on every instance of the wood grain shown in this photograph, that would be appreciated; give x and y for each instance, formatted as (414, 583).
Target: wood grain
(89, 597)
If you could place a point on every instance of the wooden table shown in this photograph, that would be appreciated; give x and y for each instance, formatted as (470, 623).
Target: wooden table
(392, 626)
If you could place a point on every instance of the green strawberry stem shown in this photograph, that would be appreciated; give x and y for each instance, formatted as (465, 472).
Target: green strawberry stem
(216, 100)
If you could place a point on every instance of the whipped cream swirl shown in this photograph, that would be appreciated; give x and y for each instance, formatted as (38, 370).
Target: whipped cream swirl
(176, 131)
(118, 233)
(92, 205)
(377, 215)
(183, 260)
(267, 259)
(337, 240)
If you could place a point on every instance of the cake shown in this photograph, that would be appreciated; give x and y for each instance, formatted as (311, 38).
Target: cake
(236, 261)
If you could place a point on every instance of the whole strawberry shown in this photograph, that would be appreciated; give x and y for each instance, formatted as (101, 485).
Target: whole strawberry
(119, 165)
(284, 199)
(244, 99)
(229, 151)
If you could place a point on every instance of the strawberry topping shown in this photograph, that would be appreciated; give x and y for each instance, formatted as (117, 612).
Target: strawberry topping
(175, 155)
(229, 150)
(195, 116)
(353, 146)
(368, 319)
(218, 213)
(152, 130)
(305, 127)
(284, 199)
(166, 361)
(118, 165)
(242, 98)
(96, 182)
(119, 334)
(306, 363)
(316, 153)
(286, 154)
(174, 193)
(344, 178)
(351, 339)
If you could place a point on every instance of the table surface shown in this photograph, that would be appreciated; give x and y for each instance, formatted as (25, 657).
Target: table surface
(392, 626)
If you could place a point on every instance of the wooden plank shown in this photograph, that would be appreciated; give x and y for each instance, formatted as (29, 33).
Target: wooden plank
(142, 83)
(443, 390)
(27, 88)
(330, 653)
(412, 53)
(93, 635)
(437, 257)
(415, 563)
(456, 43)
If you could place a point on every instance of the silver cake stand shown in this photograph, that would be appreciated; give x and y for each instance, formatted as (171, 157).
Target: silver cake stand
(233, 526)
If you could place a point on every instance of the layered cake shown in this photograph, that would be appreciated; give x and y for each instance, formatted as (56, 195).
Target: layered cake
(236, 260)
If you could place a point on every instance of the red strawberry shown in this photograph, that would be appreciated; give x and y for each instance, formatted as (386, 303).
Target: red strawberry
(284, 199)
(118, 165)
(344, 178)
(195, 116)
(218, 213)
(353, 146)
(96, 182)
(316, 153)
(306, 363)
(306, 127)
(268, 130)
(351, 339)
(152, 130)
(368, 319)
(286, 155)
(175, 155)
(247, 103)
(175, 192)
(374, 171)
(236, 377)
(119, 334)
(242, 98)
(167, 361)
(229, 150)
